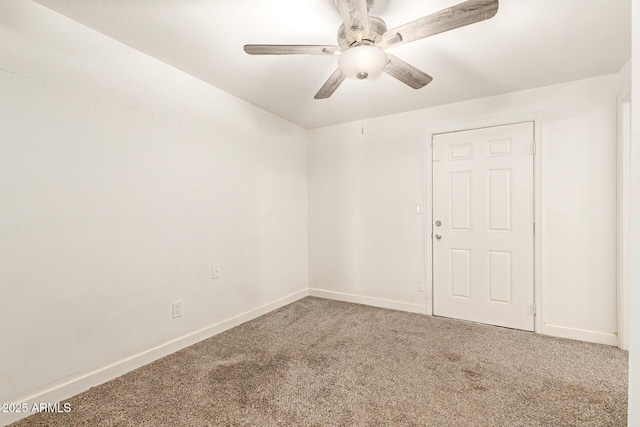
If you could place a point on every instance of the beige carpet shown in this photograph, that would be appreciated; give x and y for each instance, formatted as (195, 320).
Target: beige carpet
(318, 362)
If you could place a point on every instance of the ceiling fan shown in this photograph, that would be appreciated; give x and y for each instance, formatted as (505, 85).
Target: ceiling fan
(363, 38)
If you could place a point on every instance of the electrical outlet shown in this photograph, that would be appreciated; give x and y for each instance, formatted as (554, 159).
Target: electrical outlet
(215, 271)
(177, 309)
(420, 285)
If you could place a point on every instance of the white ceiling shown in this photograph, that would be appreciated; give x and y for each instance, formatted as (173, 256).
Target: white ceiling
(529, 43)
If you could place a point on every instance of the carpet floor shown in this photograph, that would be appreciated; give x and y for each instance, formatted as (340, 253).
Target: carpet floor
(318, 362)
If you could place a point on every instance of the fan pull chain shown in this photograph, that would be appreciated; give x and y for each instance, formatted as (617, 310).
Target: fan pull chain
(363, 116)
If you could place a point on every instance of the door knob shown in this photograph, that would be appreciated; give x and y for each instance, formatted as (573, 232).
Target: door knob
(438, 237)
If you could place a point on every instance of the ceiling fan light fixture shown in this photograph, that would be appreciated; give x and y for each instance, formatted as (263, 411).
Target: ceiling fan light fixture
(362, 62)
(362, 38)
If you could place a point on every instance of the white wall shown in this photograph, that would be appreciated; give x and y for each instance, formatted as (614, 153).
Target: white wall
(634, 219)
(122, 181)
(366, 240)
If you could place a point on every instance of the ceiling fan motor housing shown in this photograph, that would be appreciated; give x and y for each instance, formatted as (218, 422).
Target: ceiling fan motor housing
(377, 28)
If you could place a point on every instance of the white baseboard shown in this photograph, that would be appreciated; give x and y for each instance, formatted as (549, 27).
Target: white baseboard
(375, 302)
(84, 382)
(580, 334)
(548, 329)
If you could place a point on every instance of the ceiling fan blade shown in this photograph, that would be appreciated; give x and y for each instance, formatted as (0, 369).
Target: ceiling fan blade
(290, 49)
(355, 15)
(465, 13)
(331, 85)
(406, 73)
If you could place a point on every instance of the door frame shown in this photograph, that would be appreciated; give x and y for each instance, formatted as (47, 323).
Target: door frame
(623, 196)
(429, 133)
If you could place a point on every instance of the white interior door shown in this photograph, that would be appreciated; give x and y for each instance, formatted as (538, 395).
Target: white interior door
(483, 225)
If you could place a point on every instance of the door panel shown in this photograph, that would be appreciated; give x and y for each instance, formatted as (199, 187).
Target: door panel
(499, 199)
(499, 266)
(483, 197)
(460, 218)
(461, 273)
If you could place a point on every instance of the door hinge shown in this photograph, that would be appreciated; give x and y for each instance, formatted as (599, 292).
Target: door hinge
(534, 148)
(534, 228)
(535, 309)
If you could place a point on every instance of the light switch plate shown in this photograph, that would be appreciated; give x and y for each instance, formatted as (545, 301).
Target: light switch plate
(177, 309)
